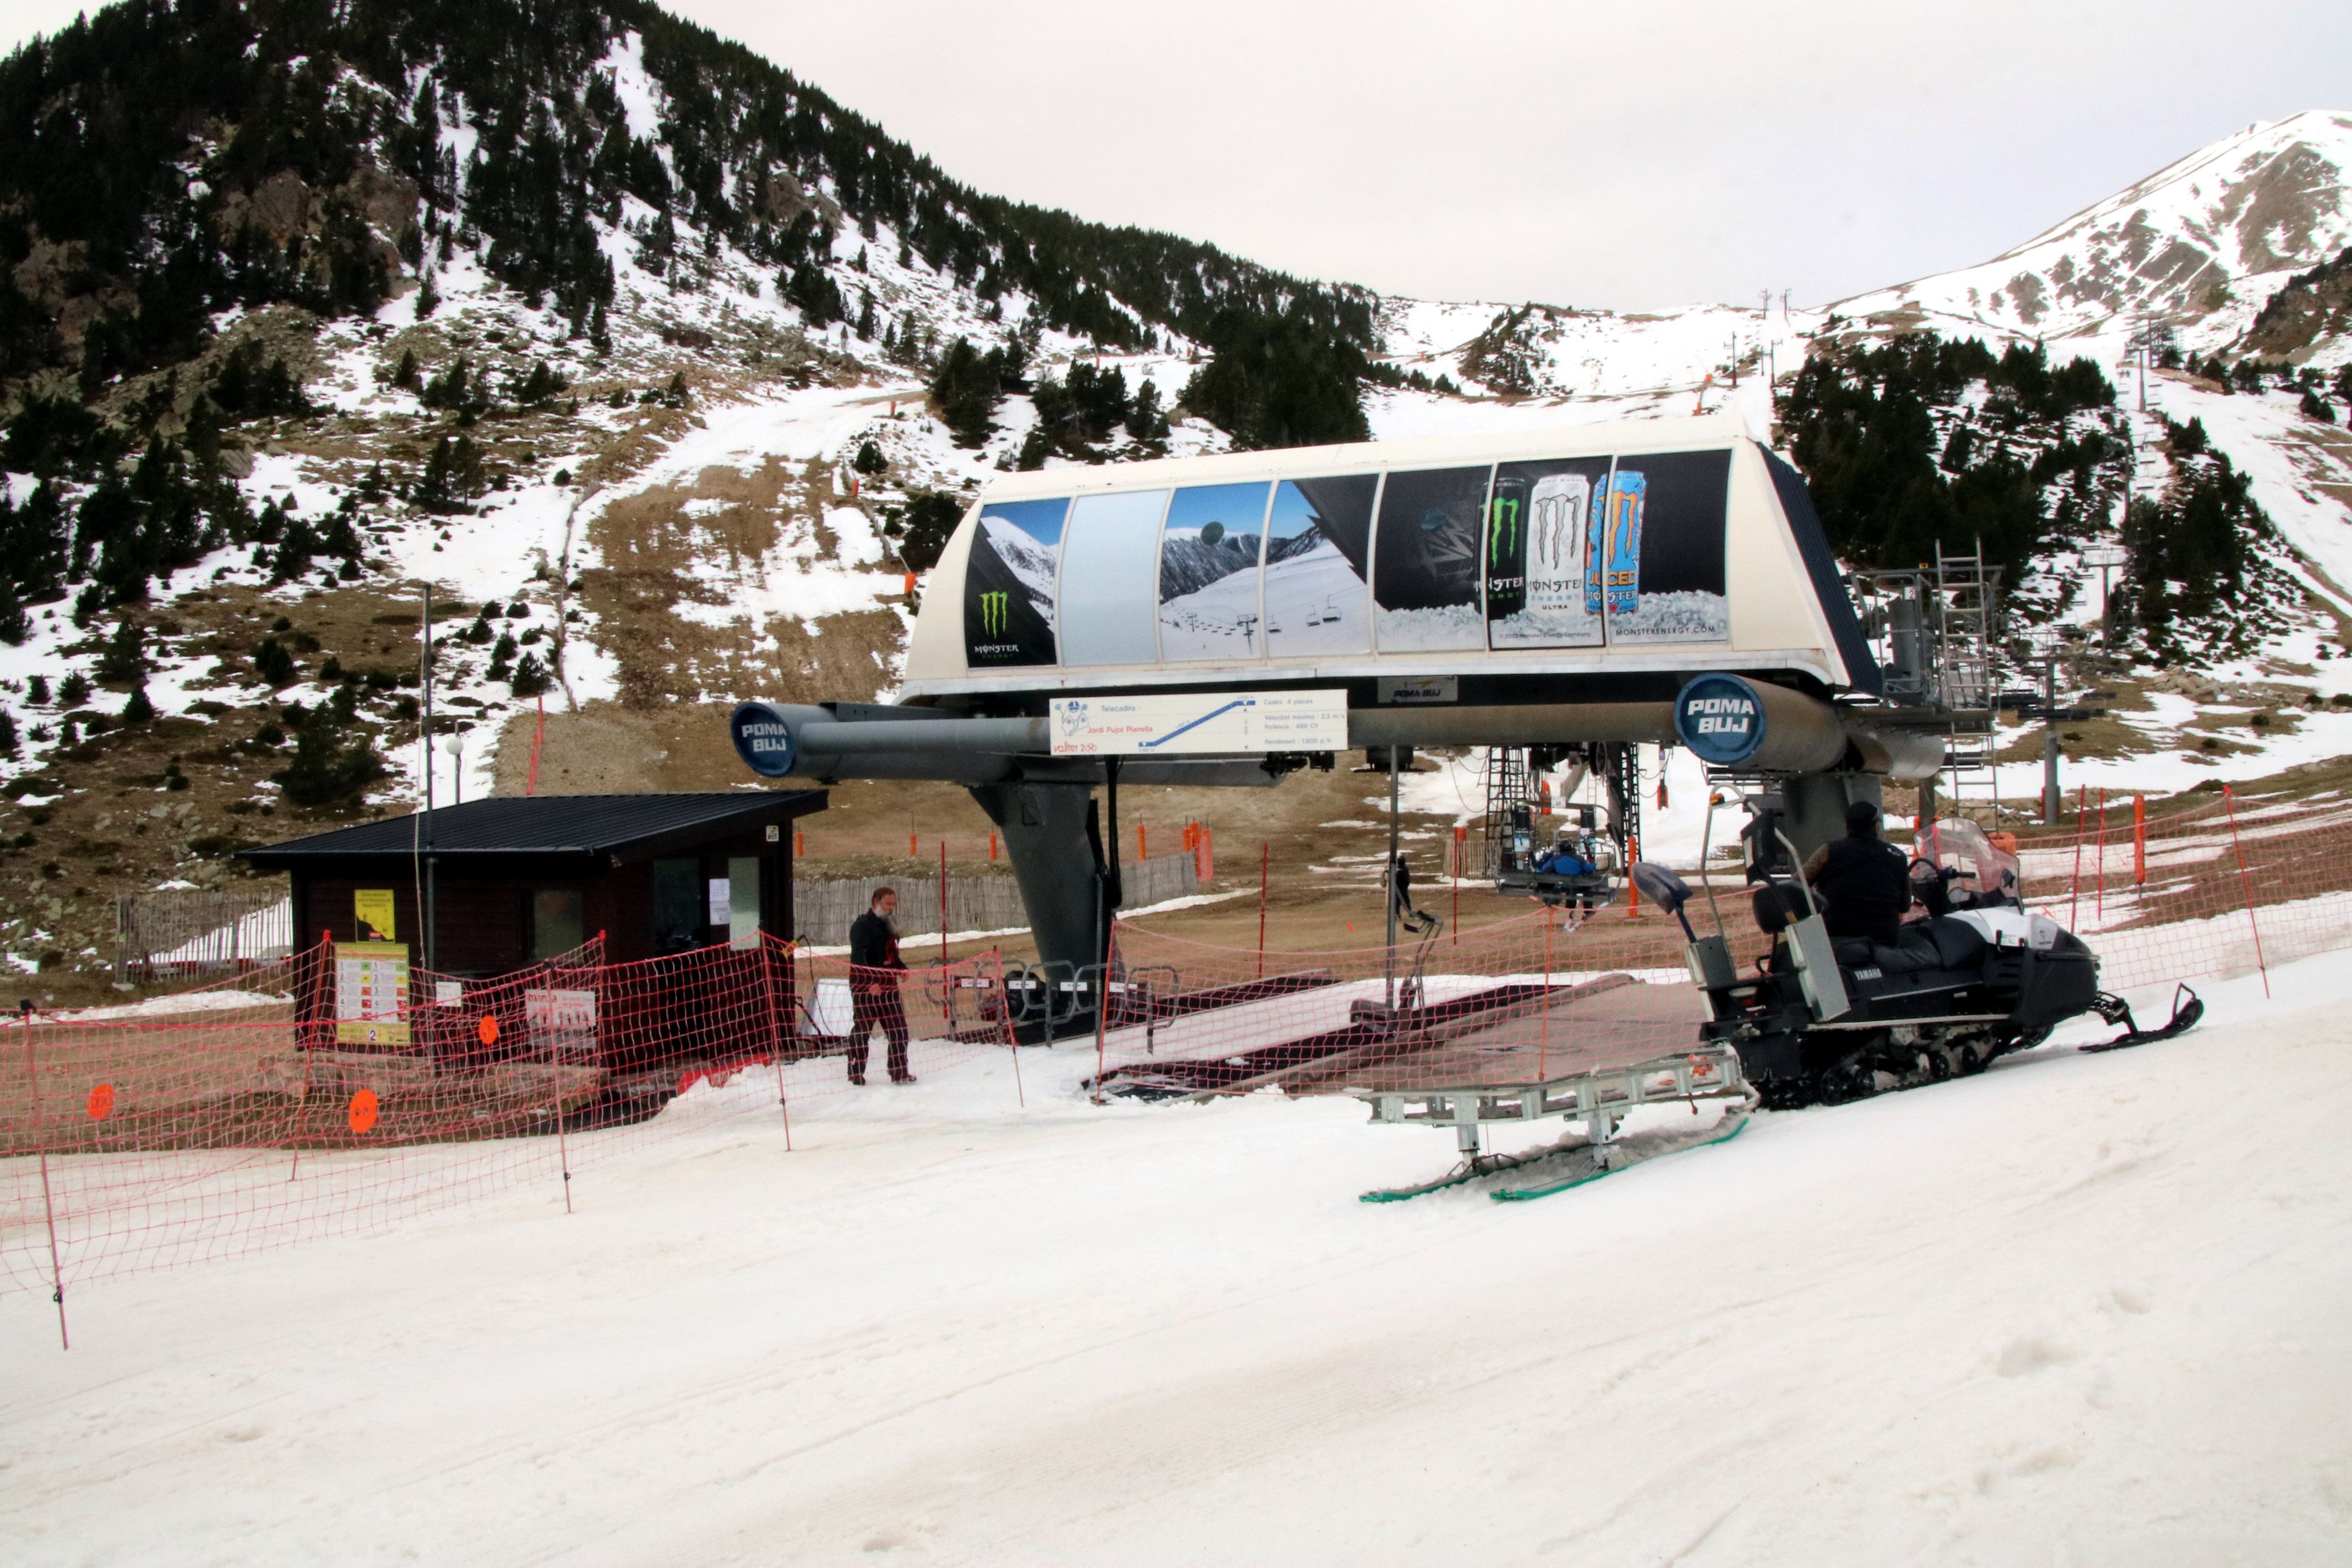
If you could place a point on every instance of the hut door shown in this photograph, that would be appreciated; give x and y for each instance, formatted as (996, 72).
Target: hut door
(742, 901)
(557, 925)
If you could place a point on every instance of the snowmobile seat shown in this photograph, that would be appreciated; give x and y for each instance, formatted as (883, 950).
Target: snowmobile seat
(1923, 945)
(1913, 951)
(1854, 952)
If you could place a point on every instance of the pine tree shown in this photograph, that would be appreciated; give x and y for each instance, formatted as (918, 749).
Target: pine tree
(139, 709)
(274, 664)
(531, 676)
(331, 768)
(428, 297)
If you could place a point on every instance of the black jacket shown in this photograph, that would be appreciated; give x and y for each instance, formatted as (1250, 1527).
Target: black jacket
(1865, 885)
(874, 945)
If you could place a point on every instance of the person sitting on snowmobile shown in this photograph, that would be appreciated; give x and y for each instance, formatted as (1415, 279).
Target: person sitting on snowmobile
(1864, 882)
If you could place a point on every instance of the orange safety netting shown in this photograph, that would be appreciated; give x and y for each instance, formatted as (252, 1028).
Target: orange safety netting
(243, 1116)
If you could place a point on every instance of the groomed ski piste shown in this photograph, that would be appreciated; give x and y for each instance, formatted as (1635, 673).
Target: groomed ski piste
(2079, 1308)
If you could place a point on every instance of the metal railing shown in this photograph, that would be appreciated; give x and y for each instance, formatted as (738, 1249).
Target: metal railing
(191, 930)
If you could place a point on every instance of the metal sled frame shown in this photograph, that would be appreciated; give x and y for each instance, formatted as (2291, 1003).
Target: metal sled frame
(1599, 1098)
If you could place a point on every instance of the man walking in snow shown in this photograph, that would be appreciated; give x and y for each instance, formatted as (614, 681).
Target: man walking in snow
(874, 970)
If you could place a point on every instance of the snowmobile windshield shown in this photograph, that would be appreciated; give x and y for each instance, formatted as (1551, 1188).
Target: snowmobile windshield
(1985, 872)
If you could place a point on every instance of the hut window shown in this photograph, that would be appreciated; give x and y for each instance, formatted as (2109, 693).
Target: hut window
(678, 904)
(555, 923)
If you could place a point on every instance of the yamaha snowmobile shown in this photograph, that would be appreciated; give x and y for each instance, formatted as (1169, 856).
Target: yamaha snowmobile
(1972, 977)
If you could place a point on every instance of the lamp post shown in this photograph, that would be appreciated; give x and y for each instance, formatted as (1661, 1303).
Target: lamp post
(2043, 641)
(455, 748)
(2106, 557)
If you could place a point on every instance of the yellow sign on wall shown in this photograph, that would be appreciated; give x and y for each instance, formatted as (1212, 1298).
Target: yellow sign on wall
(372, 909)
(372, 992)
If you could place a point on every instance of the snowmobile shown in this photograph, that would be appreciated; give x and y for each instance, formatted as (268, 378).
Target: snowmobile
(1972, 977)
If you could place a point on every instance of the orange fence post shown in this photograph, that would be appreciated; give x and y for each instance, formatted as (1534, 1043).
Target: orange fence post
(800, 843)
(2074, 882)
(943, 901)
(2139, 841)
(2229, 801)
(992, 847)
(48, 1204)
(911, 850)
(1004, 1017)
(778, 1036)
(1140, 852)
(1633, 853)
(2099, 909)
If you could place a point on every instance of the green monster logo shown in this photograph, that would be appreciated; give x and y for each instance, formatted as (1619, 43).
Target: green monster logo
(994, 613)
(1502, 528)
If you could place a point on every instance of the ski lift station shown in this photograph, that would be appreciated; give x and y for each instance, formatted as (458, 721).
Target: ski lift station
(1558, 593)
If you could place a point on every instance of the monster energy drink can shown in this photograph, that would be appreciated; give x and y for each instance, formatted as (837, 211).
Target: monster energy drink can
(1506, 547)
(1621, 536)
(1556, 512)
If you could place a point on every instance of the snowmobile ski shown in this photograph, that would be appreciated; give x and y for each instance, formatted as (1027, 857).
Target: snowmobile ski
(2187, 1007)
(1484, 1165)
(1594, 1171)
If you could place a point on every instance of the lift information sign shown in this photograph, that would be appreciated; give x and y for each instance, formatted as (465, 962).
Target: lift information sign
(1198, 722)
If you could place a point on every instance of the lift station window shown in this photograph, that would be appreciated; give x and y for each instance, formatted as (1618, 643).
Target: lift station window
(1317, 549)
(1209, 576)
(1109, 560)
(1008, 592)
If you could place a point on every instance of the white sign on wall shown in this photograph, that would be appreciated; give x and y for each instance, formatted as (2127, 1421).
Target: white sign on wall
(1201, 721)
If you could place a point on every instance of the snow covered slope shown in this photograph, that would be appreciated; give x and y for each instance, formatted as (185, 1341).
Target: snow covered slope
(2078, 1309)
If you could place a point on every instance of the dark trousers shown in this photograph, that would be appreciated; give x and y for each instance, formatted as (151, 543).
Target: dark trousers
(881, 1007)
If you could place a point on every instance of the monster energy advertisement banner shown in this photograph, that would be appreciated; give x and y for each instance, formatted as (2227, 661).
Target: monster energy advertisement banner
(1009, 583)
(1538, 531)
(1579, 552)
(1425, 558)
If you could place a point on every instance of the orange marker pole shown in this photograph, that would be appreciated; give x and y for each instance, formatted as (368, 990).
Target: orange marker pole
(2099, 907)
(49, 1204)
(2139, 841)
(943, 901)
(2074, 883)
(2247, 882)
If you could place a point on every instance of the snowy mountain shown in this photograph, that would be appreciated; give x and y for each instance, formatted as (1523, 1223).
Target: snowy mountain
(2200, 244)
(1030, 561)
(645, 355)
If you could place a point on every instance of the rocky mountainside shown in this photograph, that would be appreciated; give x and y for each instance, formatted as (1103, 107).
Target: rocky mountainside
(665, 374)
(2201, 245)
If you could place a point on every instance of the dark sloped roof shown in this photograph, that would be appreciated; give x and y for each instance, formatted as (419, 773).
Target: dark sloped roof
(559, 826)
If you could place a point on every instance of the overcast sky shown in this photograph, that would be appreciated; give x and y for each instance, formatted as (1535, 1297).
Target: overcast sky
(1632, 155)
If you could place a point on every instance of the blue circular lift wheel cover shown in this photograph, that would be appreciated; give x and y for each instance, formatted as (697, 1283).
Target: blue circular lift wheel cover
(1720, 718)
(763, 739)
